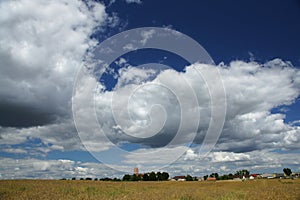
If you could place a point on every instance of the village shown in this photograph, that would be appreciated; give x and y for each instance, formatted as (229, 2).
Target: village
(240, 175)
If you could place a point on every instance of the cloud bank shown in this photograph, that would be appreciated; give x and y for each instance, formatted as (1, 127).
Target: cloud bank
(253, 90)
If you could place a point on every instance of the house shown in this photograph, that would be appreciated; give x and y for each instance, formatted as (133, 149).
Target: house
(273, 175)
(278, 175)
(179, 178)
(211, 179)
(253, 176)
(295, 174)
(267, 175)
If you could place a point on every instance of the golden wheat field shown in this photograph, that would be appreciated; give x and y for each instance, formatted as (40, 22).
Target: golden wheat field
(67, 189)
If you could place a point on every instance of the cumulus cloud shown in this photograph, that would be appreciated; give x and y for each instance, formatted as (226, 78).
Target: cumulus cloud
(52, 169)
(260, 161)
(42, 44)
(174, 109)
(252, 89)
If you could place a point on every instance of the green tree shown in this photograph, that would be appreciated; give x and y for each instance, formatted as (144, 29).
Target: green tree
(205, 177)
(126, 177)
(224, 177)
(146, 177)
(159, 176)
(287, 171)
(135, 177)
(189, 178)
(165, 176)
(242, 173)
(214, 175)
(152, 176)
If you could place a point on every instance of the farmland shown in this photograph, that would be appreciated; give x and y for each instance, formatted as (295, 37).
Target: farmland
(67, 189)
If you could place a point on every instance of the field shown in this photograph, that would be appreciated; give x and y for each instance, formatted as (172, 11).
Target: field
(67, 189)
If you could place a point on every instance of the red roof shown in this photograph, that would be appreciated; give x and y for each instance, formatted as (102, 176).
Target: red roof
(254, 175)
(211, 179)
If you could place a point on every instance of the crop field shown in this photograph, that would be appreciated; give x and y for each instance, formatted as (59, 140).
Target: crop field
(81, 189)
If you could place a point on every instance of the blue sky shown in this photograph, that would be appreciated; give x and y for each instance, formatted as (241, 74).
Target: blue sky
(227, 30)
(255, 47)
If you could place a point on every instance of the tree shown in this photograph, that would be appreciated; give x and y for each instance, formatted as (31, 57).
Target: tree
(287, 171)
(126, 177)
(105, 179)
(165, 176)
(242, 173)
(146, 177)
(135, 177)
(214, 175)
(152, 176)
(224, 177)
(159, 176)
(189, 178)
(205, 177)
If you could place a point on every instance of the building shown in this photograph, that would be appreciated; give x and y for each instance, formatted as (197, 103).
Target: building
(179, 178)
(136, 171)
(273, 175)
(211, 179)
(295, 174)
(278, 175)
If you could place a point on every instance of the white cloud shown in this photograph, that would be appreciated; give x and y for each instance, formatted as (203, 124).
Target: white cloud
(162, 103)
(52, 169)
(14, 150)
(146, 35)
(129, 47)
(134, 1)
(158, 106)
(121, 62)
(228, 156)
(190, 155)
(42, 45)
(252, 93)
(262, 161)
(58, 136)
(133, 75)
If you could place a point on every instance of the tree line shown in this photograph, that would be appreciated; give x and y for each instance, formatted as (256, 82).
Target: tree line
(151, 176)
(164, 176)
(238, 174)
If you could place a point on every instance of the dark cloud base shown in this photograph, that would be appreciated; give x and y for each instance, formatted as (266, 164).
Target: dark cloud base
(19, 116)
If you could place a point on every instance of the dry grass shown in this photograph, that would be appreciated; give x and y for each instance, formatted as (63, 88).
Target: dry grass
(62, 189)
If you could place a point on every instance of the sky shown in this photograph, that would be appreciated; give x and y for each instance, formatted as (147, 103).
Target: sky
(66, 113)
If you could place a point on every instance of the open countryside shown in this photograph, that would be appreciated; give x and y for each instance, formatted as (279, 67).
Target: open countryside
(181, 190)
(150, 100)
